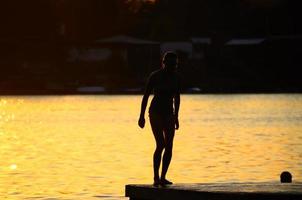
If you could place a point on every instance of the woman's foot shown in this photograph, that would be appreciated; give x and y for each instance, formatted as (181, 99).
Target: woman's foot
(156, 182)
(165, 182)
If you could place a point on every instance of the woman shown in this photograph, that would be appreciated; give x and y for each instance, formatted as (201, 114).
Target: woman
(163, 113)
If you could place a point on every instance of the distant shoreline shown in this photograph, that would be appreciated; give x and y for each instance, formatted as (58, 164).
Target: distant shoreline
(118, 92)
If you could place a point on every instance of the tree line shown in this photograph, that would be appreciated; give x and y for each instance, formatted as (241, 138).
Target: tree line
(157, 19)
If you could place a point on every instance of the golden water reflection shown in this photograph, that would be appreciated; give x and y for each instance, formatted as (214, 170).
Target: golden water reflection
(87, 147)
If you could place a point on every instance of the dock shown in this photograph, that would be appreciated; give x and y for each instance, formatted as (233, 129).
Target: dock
(216, 191)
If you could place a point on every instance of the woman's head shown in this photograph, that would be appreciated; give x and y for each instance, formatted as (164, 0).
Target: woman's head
(170, 61)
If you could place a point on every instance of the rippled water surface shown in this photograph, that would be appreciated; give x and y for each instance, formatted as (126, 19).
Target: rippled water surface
(89, 147)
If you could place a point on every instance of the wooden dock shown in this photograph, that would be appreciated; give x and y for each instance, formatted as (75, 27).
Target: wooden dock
(220, 191)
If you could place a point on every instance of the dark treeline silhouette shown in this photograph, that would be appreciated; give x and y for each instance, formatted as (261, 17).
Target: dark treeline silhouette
(36, 36)
(161, 19)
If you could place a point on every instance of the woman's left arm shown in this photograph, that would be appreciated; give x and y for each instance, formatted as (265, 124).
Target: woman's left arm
(177, 104)
(176, 107)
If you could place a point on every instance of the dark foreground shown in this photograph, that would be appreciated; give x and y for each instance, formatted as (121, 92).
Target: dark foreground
(222, 191)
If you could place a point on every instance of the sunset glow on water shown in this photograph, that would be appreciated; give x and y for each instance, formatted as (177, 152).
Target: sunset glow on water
(89, 147)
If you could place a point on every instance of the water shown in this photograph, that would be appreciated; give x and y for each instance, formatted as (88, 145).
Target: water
(89, 147)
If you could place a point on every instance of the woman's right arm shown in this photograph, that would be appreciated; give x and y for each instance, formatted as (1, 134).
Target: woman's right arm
(148, 90)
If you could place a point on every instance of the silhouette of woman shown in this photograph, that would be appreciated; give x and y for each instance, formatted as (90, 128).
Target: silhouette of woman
(163, 113)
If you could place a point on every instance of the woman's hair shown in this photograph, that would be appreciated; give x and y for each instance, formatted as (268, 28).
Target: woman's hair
(169, 57)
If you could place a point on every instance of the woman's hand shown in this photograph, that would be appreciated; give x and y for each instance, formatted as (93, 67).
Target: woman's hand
(176, 123)
(141, 122)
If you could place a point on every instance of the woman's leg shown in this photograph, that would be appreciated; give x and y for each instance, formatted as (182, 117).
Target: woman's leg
(169, 130)
(157, 129)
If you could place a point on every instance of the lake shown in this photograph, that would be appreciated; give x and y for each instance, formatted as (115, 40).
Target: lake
(89, 147)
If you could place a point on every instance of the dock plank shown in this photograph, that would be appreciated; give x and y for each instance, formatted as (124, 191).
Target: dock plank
(217, 191)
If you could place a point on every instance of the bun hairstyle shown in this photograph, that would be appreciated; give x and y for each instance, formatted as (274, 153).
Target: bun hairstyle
(169, 58)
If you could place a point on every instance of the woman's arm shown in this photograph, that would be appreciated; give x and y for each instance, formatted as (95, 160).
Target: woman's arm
(176, 107)
(148, 90)
(177, 103)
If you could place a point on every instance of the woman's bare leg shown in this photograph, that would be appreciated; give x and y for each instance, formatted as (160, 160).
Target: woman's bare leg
(169, 131)
(157, 130)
